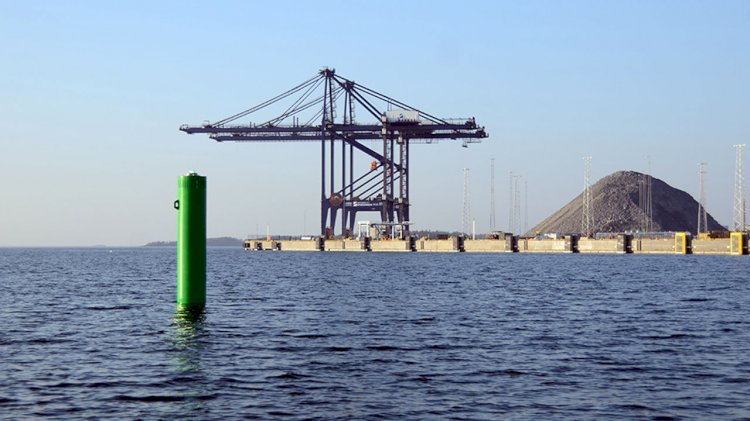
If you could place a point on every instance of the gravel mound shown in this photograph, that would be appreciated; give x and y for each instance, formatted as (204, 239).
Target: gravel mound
(615, 207)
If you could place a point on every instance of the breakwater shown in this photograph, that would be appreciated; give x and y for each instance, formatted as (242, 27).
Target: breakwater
(681, 243)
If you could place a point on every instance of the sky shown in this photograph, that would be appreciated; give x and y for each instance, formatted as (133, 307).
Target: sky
(92, 95)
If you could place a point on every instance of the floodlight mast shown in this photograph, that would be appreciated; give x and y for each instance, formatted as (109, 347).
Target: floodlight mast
(384, 186)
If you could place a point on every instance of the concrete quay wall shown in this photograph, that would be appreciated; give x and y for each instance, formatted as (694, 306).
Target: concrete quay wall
(299, 245)
(390, 245)
(343, 245)
(681, 243)
(711, 246)
(448, 245)
(488, 246)
(609, 245)
(530, 245)
(653, 245)
(260, 245)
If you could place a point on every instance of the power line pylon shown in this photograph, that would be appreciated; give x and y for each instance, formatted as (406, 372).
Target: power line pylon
(321, 109)
(645, 199)
(514, 205)
(511, 201)
(586, 225)
(466, 217)
(739, 190)
(649, 199)
(525, 206)
(492, 194)
(517, 204)
(702, 214)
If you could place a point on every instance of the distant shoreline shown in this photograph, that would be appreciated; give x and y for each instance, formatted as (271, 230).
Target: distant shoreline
(211, 242)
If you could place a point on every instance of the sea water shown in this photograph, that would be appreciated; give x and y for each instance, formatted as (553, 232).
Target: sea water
(94, 333)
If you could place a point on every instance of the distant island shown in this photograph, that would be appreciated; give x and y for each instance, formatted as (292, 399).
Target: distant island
(211, 242)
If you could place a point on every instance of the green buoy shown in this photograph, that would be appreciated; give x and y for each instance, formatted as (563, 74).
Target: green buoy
(191, 241)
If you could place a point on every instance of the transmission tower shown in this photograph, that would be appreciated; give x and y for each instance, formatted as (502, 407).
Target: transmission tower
(510, 203)
(645, 200)
(739, 190)
(586, 215)
(649, 199)
(525, 206)
(516, 227)
(466, 219)
(492, 194)
(514, 205)
(702, 216)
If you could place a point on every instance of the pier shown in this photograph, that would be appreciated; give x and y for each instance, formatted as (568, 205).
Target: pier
(681, 243)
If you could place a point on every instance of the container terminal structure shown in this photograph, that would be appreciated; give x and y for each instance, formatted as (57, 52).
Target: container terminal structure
(322, 109)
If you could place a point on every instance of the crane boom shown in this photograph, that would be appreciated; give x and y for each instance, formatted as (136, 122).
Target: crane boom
(395, 128)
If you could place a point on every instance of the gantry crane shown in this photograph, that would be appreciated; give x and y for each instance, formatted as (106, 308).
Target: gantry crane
(381, 187)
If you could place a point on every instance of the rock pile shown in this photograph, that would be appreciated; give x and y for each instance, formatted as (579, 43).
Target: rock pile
(616, 207)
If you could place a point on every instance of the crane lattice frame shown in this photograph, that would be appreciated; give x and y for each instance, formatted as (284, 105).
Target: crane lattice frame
(384, 187)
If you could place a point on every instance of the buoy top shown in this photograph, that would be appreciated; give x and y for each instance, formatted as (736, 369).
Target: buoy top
(191, 173)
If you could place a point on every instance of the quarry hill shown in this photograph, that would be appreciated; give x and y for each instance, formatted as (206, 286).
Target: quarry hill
(616, 207)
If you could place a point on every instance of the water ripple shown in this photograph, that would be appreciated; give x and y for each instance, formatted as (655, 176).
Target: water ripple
(90, 334)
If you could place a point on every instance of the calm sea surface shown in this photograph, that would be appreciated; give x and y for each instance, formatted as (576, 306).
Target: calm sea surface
(93, 333)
